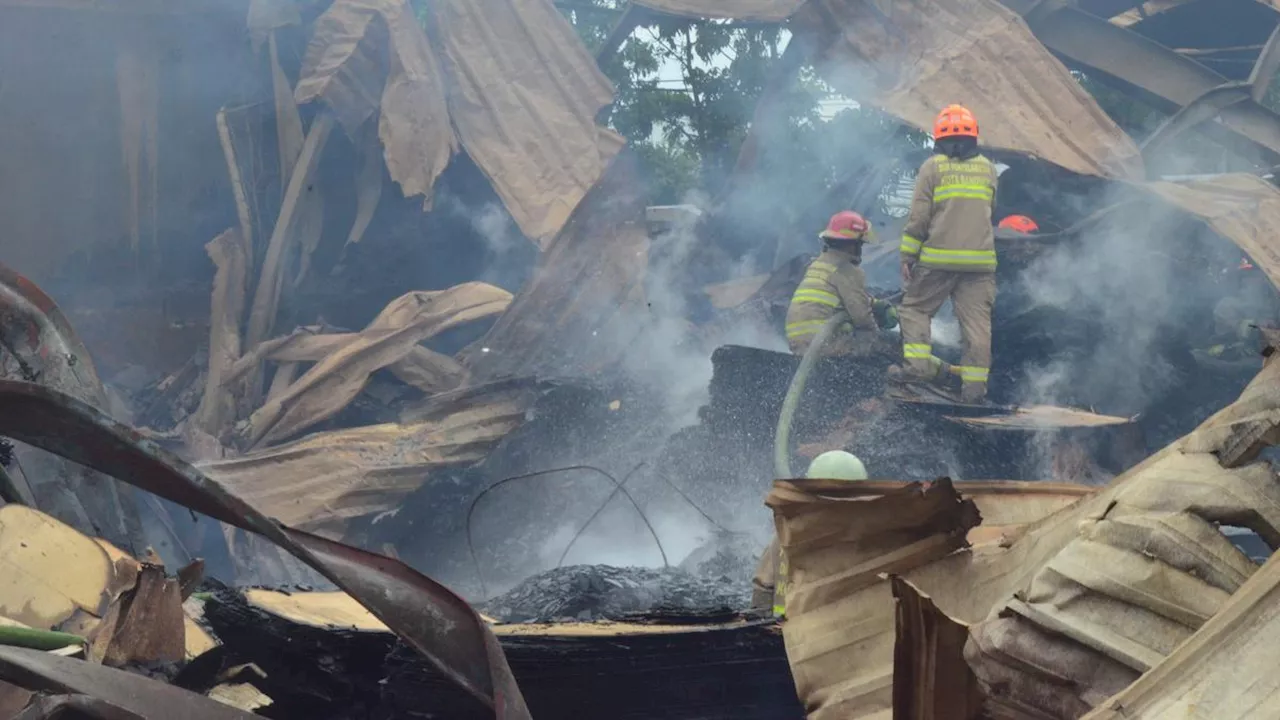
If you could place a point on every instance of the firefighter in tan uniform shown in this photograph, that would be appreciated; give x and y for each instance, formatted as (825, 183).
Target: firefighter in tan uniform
(948, 251)
(834, 283)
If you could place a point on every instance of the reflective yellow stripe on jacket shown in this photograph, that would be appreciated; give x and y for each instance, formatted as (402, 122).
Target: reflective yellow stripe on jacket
(939, 258)
(780, 586)
(814, 290)
(917, 351)
(800, 328)
(972, 191)
(960, 181)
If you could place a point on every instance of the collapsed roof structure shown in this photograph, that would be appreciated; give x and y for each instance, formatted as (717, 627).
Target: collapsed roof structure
(506, 89)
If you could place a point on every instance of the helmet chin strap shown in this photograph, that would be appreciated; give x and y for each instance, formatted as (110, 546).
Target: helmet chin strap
(853, 247)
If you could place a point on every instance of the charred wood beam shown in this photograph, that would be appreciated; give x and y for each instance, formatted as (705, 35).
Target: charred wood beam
(766, 115)
(737, 670)
(627, 23)
(1173, 80)
(1201, 110)
(1264, 68)
(1212, 103)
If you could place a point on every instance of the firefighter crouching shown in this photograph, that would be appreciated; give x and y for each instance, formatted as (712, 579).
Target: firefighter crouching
(948, 251)
(834, 283)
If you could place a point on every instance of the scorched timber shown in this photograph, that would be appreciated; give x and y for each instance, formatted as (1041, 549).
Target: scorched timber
(574, 671)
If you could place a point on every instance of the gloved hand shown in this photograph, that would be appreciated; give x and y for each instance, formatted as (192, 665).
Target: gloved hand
(885, 313)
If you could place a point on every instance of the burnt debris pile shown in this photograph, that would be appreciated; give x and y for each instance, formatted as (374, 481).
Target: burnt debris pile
(585, 593)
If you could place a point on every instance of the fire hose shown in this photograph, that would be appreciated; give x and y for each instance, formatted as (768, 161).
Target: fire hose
(782, 435)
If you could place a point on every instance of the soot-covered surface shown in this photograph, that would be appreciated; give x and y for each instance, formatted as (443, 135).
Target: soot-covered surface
(702, 671)
(599, 592)
(714, 580)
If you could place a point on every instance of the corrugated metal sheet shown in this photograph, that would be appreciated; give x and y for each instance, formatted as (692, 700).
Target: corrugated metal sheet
(1226, 671)
(912, 57)
(507, 79)
(342, 66)
(323, 480)
(836, 543)
(1067, 614)
(930, 678)
(523, 95)
(840, 616)
(1143, 568)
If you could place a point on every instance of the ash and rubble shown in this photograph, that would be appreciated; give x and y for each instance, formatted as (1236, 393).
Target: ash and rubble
(585, 593)
(715, 579)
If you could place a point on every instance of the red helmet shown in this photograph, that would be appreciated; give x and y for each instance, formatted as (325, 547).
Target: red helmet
(955, 121)
(846, 225)
(1020, 223)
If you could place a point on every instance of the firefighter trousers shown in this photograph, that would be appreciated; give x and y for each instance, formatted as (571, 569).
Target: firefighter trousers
(972, 296)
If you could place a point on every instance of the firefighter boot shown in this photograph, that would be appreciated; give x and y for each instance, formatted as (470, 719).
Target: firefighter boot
(973, 393)
(944, 378)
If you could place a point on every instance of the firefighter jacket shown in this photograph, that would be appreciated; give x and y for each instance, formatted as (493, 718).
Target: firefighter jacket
(949, 227)
(832, 283)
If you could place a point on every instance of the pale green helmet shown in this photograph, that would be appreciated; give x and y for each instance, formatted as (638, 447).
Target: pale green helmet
(837, 465)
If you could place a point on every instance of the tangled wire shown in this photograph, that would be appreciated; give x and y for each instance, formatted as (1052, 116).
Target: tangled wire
(618, 488)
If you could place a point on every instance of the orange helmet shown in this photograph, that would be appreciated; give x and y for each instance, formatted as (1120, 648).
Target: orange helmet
(955, 121)
(1020, 223)
(845, 225)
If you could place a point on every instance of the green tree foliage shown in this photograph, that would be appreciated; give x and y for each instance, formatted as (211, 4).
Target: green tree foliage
(686, 90)
(686, 95)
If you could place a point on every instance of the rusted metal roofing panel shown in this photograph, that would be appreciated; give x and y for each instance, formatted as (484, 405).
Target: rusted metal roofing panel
(343, 66)
(754, 10)
(523, 95)
(1068, 613)
(323, 480)
(930, 678)
(840, 617)
(508, 80)
(1142, 569)
(336, 379)
(1225, 671)
(426, 615)
(911, 57)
